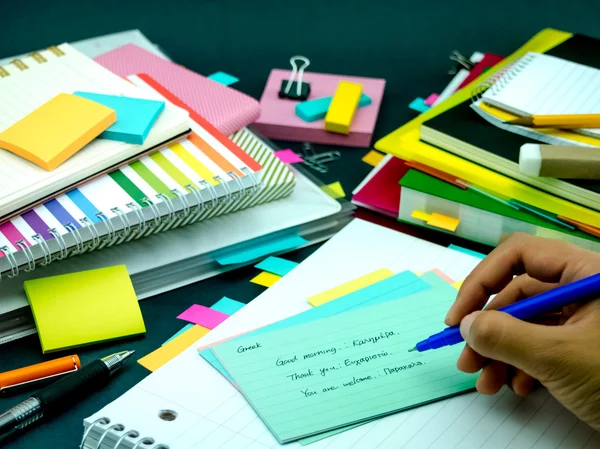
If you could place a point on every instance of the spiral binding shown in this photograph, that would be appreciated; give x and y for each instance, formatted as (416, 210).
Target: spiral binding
(131, 224)
(500, 80)
(117, 429)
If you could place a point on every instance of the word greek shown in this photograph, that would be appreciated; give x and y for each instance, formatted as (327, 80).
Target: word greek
(397, 369)
(374, 339)
(366, 359)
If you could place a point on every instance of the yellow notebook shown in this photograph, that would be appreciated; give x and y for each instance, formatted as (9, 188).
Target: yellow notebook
(57, 130)
(83, 308)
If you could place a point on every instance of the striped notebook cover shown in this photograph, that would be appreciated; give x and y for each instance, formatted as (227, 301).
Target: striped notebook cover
(116, 208)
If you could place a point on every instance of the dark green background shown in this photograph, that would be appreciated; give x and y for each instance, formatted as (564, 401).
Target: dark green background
(405, 42)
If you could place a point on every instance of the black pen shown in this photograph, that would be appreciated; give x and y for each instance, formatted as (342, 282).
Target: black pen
(61, 393)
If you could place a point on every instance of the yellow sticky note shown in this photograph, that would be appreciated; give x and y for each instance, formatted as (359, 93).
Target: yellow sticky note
(349, 287)
(420, 215)
(83, 308)
(458, 284)
(342, 108)
(173, 348)
(334, 190)
(265, 279)
(443, 222)
(373, 158)
(57, 130)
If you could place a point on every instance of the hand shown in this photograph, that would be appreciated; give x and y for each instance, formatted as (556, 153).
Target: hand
(564, 357)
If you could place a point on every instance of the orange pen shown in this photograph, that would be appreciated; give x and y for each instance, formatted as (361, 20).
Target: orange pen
(34, 375)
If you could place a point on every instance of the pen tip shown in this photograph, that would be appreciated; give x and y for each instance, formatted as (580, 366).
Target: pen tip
(412, 350)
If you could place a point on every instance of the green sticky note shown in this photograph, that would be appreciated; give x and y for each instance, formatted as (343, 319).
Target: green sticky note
(78, 309)
(349, 368)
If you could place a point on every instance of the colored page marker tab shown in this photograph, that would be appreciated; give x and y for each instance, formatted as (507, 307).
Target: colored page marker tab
(343, 106)
(313, 110)
(470, 252)
(431, 99)
(135, 116)
(248, 252)
(288, 157)
(334, 190)
(265, 279)
(437, 220)
(227, 305)
(276, 265)
(203, 316)
(373, 158)
(458, 284)
(179, 332)
(418, 104)
(223, 78)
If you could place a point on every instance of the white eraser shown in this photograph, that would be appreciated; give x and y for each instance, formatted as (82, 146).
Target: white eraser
(530, 159)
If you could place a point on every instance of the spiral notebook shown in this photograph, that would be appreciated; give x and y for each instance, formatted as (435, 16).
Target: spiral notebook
(30, 82)
(204, 176)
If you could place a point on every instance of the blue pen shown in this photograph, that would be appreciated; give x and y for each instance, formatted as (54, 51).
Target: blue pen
(578, 291)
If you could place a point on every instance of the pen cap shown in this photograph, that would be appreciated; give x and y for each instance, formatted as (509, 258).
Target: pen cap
(39, 371)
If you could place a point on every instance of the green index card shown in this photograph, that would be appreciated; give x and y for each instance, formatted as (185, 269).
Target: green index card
(352, 367)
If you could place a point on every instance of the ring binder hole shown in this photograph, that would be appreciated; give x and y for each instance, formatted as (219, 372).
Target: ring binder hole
(167, 415)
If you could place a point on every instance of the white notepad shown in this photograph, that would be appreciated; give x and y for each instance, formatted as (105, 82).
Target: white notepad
(213, 414)
(35, 79)
(540, 84)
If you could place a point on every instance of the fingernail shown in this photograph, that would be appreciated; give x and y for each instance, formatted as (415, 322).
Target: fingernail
(465, 325)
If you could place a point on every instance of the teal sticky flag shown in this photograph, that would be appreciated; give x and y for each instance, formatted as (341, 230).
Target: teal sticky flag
(223, 78)
(247, 252)
(227, 305)
(349, 368)
(312, 110)
(276, 265)
(418, 104)
(135, 116)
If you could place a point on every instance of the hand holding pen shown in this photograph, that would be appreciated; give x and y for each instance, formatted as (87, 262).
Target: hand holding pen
(564, 358)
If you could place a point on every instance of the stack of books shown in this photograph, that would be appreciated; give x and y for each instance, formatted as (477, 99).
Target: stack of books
(455, 168)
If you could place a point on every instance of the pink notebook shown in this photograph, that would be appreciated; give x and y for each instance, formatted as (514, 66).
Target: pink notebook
(278, 119)
(224, 107)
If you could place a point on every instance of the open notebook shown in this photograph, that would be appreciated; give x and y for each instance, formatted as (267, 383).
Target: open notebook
(30, 82)
(213, 414)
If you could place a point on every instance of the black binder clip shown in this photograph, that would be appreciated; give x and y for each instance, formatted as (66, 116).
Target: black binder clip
(462, 62)
(292, 88)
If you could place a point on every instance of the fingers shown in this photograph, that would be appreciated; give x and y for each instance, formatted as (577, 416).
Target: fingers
(519, 288)
(493, 377)
(522, 383)
(498, 336)
(469, 361)
(543, 259)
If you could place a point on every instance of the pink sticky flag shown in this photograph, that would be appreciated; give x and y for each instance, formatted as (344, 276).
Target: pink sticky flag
(203, 316)
(431, 99)
(288, 157)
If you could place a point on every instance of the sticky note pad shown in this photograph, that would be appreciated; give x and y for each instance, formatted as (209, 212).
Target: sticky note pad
(203, 316)
(135, 116)
(223, 78)
(338, 371)
(265, 279)
(227, 305)
(343, 106)
(79, 309)
(288, 157)
(373, 158)
(312, 110)
(334, 190)
(173, 348)
(57, 130)
(349, 287)
(277, 265)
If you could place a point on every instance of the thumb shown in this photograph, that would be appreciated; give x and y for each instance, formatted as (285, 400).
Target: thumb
(499, 336)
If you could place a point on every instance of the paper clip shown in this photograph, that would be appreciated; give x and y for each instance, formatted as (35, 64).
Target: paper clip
(302, 90)
(462, 61)
(317, 161)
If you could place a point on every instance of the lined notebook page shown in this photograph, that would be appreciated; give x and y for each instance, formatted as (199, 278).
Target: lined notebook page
(39, 79)
(212, 414)
(337, 371)
(540, 84)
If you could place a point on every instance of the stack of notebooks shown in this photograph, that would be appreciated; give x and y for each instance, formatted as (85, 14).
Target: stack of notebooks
(325, 364)
(240, 199)
(455, 168)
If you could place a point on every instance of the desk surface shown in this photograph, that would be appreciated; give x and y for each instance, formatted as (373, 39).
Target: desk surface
(407, 43)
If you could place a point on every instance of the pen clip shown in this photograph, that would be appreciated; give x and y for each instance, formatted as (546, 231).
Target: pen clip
(31, 384)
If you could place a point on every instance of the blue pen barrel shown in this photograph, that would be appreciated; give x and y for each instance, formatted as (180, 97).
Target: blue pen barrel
(447, 337)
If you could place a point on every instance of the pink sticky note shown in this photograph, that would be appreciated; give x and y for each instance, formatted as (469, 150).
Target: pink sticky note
(203, 316)
(431, 99)
(443, 275)
(288, 157)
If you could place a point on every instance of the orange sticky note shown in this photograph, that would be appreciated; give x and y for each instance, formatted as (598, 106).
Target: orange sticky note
(373, 158)
(173, 348)
(437, 220)
(57, 130)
